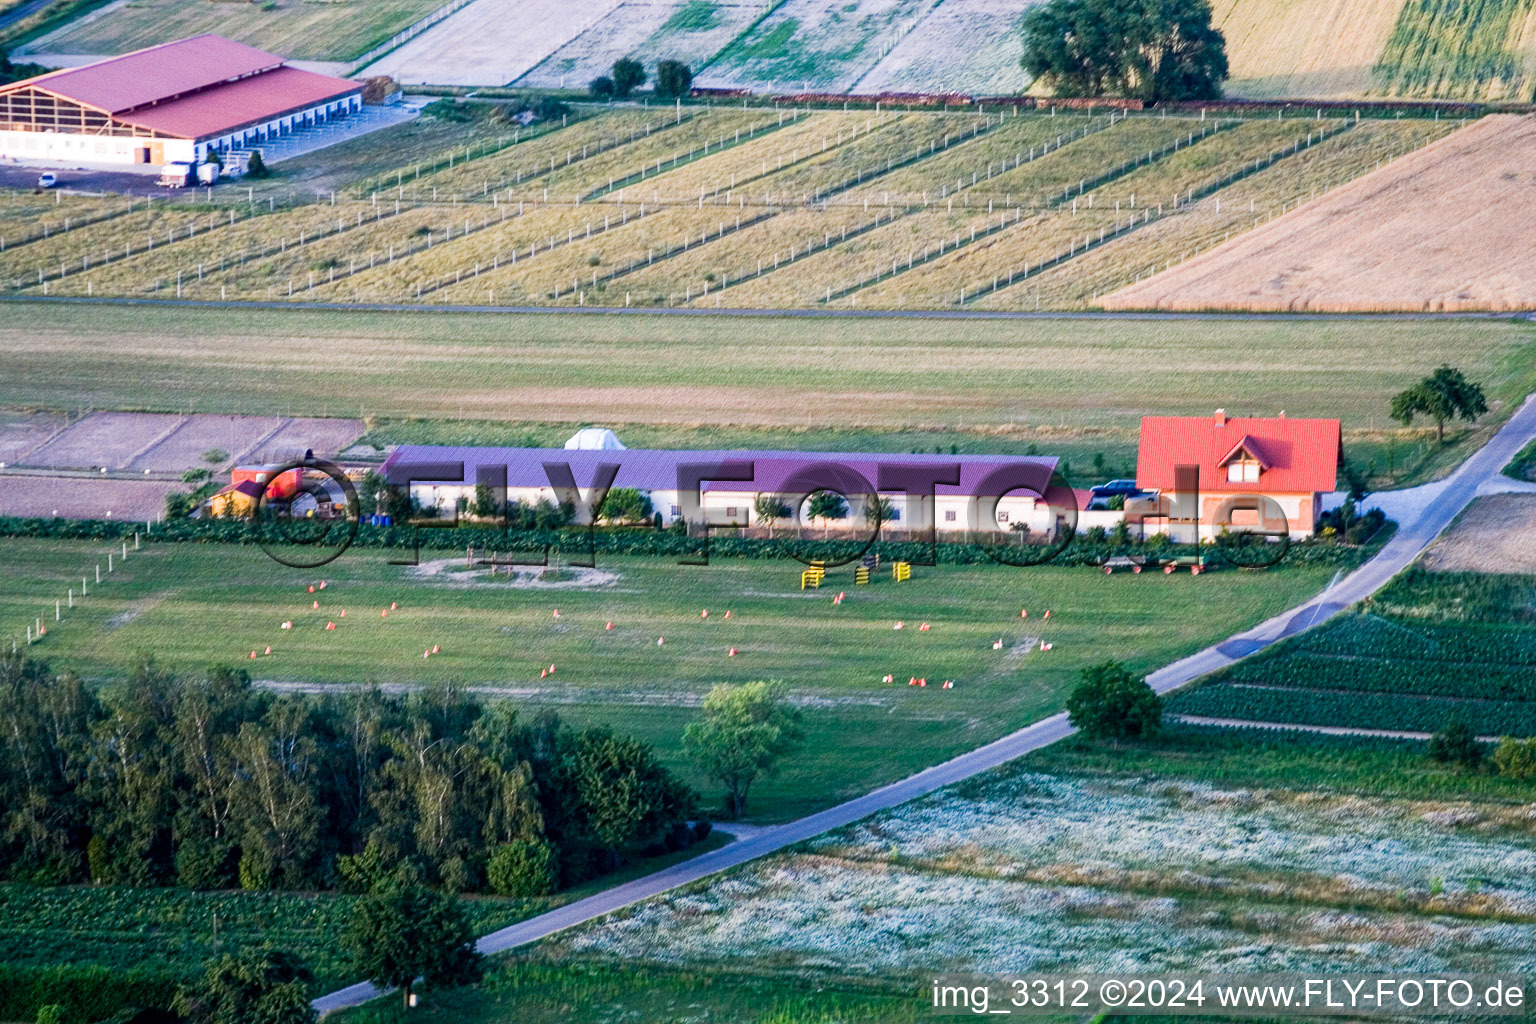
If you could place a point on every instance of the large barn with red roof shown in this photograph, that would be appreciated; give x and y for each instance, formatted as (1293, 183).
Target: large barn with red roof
(173, 103)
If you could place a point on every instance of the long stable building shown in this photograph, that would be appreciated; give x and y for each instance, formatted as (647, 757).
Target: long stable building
(173, 103)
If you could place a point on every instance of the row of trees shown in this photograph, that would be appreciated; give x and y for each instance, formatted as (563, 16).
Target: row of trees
(673, 79)
(209, 782)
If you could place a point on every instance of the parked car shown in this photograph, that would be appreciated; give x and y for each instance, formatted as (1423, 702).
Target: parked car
(1102, 495)
(47, 180)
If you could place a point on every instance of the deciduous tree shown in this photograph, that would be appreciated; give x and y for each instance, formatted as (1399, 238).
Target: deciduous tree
(399, 936)
(743, 735)
(1444, 395)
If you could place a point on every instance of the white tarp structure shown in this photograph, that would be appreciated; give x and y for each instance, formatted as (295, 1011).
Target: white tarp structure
(590, 439)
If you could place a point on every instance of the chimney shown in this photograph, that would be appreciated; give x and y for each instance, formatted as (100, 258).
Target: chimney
(1221, 417)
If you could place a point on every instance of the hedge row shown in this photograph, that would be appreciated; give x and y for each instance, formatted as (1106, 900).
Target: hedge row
(644, 541)
(88, 992)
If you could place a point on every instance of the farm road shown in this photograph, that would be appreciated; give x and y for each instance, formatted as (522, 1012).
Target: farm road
(686, 311)
(1427, 511)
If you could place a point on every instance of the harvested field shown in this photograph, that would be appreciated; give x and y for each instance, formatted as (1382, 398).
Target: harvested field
(77, 497)
(691, 31)
(490, 42)
(820, 45)
(1497, 534)
(1316, 48)
(964, 46)
(1449, 227)
(1485, 49)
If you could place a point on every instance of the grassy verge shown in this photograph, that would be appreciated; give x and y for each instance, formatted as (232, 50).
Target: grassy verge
(1523, 465)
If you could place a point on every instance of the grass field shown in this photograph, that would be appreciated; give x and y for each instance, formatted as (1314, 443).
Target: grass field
(193, 605)
(336, 30)
(1072, 387)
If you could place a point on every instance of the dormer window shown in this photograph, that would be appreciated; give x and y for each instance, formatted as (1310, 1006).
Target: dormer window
(1243, 471)
(1245, 462)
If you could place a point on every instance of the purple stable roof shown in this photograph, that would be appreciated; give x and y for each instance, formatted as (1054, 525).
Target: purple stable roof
(657, 470)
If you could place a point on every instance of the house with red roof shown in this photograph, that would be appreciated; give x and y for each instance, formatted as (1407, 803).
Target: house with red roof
(1256, 473)
(173, 103)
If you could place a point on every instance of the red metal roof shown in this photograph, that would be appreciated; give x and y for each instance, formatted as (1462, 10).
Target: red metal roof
(248, 101)
(158, 73)
(1301, 456)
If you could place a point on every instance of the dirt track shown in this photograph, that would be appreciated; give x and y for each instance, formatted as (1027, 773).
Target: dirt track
(1450, 227)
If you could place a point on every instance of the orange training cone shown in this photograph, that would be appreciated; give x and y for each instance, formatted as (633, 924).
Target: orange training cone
(731, 653)
(315, 605)
(269, 650)
(311, 588)
(330, 625)
(704, 614)
(727, 613)
(608, 626)
(434, 648)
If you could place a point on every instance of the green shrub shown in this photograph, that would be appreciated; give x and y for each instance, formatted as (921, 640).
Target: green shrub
(50, 1013)
(1111, 703)
(1515, 759)
(523, 868)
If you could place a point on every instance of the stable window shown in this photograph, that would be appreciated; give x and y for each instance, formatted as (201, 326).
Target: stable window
(730, 511)
(1002, 517)
(949, 515)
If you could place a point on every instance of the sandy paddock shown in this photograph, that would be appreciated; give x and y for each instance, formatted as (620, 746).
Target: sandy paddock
(83, 497)
(1497, 534)
(1449, 227)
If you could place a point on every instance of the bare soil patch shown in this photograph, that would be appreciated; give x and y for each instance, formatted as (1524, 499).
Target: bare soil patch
(1496, 534)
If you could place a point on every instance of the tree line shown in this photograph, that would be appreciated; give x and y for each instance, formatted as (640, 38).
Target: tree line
(209, 782)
